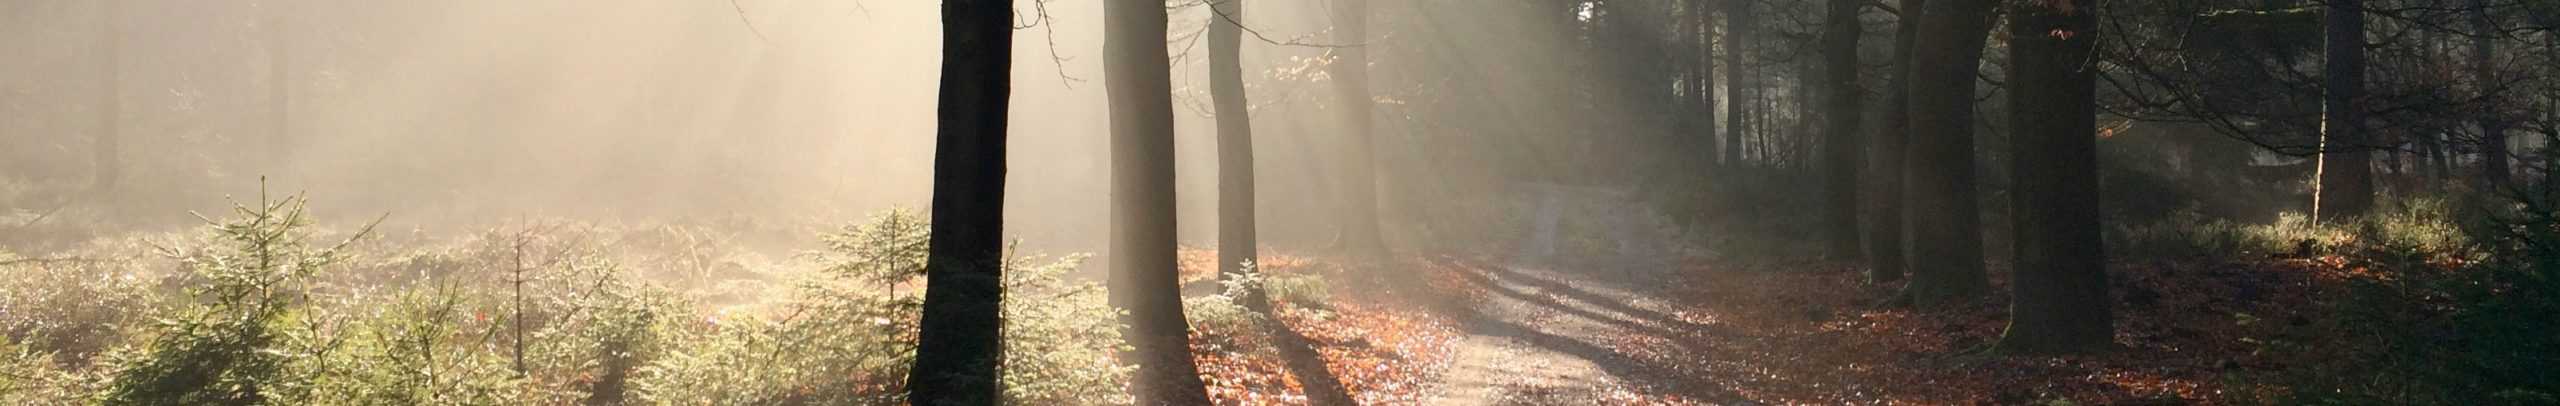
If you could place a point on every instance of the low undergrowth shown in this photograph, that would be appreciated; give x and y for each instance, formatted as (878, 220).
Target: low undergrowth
(250, 310)
(2424, 302)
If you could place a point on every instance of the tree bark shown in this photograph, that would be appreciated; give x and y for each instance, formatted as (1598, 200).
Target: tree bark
(1885, 156)
(1704, 73)
(1359, 236)
(2059, 278)
(1797, 146)
(2431, 155)
(1236, 245)
(1840, 142)
(959, 340)
(2493, 124)
(2344, 186)
(1944, 243)
(1144, 281)
(1694, 61)
(1737, 87)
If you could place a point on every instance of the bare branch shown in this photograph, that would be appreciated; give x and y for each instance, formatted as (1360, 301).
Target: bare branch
(751, 24)
(1040, 17)
(1300, 41)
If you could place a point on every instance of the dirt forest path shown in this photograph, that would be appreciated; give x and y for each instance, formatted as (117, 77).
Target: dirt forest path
(1545, 330)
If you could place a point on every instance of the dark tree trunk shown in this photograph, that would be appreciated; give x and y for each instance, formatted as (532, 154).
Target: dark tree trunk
(1840, 142)
(1359, 233)
(1810, 94)
(1944, 221)
(2059, 280)
(1704, 71)
(960, 340)
(2345, 183)
(2547, 116)
(1706, 77)
(1737, 86)
(1236, 245)
(2493, 124)
(1144, 280)
(111, 104)
(1885, 156)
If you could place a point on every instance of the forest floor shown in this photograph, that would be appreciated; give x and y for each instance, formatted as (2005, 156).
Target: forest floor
(1538, 337)
(1610, 320)
(1543, 324)
(1628, 324)
(1804, 334)
(2188, 332)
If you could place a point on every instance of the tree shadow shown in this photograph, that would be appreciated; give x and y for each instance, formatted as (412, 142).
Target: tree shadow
(1660, 377)
(1678, 327)
(1586, 296)
(1644, 376)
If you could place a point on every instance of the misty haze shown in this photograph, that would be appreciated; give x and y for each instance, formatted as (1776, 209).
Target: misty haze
(1286, 202)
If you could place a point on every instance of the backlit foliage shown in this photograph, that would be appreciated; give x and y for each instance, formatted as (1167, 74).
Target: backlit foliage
(848, 337)
(246, 328)
(544, 315)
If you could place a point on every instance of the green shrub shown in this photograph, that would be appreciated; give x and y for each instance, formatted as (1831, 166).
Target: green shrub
(1307, 291)
(1060, 337)
(525, 318)
(2186, 233)
(849, 337)
(418, 346)
(2401, 234)
(233, 344)
(2457, 315)
(595, 332)
(1220, 314)
(2508, 340)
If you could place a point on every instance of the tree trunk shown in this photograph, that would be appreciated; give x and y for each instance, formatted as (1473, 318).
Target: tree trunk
(2345, 175)
(2059, 279)
(1704, 70)
(1944, 221)
(2493, 124)
(1807, 129)
(1764, 118)
(2431, 155)
(1145, 281)
(960, 344)
(1840, 141)
(1737, 42)
(1884, 159)
(1236, 245)
(1359, 233)
(111, 103)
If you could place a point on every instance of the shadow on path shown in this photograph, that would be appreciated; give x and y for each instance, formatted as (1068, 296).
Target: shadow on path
(1582, 301)
(1555, 348)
